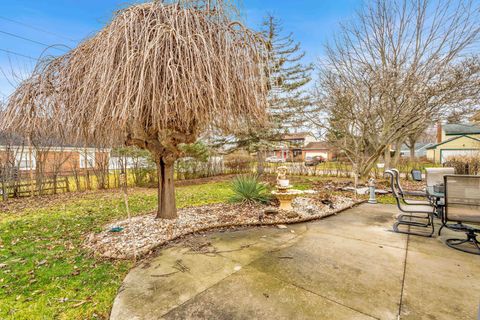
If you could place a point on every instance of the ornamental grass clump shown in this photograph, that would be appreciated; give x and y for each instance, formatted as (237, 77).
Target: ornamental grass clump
(249, 189)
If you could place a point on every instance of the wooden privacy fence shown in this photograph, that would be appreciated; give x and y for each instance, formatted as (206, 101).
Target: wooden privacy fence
(17, 183)
(31, 188)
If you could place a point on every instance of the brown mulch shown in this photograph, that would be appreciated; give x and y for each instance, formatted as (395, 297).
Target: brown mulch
(336, 184)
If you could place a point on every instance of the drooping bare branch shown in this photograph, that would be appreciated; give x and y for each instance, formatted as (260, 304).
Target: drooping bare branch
(156, 70)
(399, 65)
(156, 77)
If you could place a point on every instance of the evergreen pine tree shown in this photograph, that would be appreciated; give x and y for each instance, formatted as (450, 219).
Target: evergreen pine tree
(289, 77)
(288, 96)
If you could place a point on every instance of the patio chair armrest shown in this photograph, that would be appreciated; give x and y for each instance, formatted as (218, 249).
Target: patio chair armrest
(415, 193)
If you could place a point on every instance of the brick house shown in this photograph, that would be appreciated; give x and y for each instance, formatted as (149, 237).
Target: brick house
(49, 156)
(290, 146)
(319, 148)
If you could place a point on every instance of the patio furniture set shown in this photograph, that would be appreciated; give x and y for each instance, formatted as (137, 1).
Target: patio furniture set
(452, 199)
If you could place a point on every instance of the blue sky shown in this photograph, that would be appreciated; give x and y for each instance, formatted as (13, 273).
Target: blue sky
(66, 22)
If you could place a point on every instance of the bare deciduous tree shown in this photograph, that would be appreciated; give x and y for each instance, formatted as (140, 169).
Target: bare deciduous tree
(155, 77)
(400, 63)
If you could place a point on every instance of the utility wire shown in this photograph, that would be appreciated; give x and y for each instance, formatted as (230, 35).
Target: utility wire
(31, 40)
(18, 54)
(38, 29)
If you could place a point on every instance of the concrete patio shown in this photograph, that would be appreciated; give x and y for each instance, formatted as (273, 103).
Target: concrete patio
(348, 266)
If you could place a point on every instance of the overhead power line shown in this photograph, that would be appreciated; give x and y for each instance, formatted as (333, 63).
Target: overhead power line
(18, 54)
(31, 40)
(37, 29)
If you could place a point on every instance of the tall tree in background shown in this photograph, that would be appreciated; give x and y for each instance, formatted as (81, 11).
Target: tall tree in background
(288, 96)
(289, 76)
(400, 63)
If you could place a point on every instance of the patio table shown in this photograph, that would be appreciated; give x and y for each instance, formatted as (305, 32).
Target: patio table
(435, 194)
(438, 200)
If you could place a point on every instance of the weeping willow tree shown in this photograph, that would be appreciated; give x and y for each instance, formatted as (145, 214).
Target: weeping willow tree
(155, 77)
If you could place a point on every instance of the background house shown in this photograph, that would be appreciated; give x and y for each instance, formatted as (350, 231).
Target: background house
(290, 147)
(319, 148)
(299, 146)
(420, 149)
(455, 140)
(49, 155)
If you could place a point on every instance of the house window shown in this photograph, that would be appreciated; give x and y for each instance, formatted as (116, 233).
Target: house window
(22, 160)
(87, 159)
(297, 153)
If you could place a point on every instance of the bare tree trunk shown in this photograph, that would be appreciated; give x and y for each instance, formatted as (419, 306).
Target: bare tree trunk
(54, 183)
(396, 157)
(166, 190)
(260, 162)
(387, 157)
(32, 188)
(411, 147)
(364, 172)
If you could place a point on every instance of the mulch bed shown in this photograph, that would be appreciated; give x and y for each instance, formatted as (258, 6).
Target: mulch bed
(142, 234)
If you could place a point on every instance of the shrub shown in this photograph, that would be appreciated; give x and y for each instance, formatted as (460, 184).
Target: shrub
(464, 164)
(406, 165)
(249, 189)
(239, 163)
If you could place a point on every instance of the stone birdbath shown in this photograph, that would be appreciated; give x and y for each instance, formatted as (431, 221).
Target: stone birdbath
(284, 192)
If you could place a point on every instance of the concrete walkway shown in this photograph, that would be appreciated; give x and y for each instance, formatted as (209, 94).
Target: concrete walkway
(348, 266)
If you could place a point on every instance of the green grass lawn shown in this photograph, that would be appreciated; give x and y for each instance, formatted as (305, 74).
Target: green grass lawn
(44, 272)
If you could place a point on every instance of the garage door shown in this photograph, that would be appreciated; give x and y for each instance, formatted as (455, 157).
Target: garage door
(450, 153)
(324, 155)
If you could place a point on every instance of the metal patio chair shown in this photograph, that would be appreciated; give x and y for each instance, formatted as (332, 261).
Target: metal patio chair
(404, 193)
(462, 211)
(411, 213)
(434, 176)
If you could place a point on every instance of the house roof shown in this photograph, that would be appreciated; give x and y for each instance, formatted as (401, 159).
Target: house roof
(418, 146)
(317, 145)
(452, 139)
(295, 136)
(11, 139)
(461, 129)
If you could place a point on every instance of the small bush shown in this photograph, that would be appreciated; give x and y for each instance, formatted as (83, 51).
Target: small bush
(464, 164)
(239, 163)
(249, 189)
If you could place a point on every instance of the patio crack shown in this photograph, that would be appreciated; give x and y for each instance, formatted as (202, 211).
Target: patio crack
(400, 304)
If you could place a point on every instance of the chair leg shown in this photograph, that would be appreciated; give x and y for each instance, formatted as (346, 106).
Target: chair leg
(430, 224)
(440, 230)
(408, 219)
(471, 238)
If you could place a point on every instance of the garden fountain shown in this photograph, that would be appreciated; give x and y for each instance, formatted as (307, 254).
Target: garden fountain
(284, 193)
